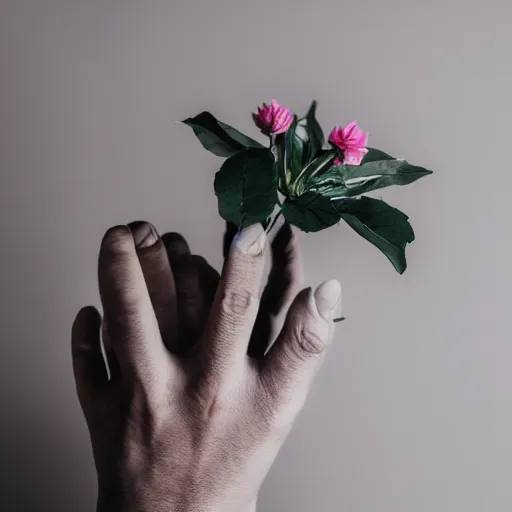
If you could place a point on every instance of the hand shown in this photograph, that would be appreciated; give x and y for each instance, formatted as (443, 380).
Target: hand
(188, 420)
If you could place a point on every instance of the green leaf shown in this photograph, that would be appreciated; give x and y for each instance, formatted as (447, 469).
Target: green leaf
(382, 225)
(294, 150)
(314, 170)
(314, 134)
(404, 176)
(217, 137)
(329, 183)
(303, 142)
(246, 187)
(379, 174)
(400, 168)
(311, 212)
(375, 154)
(239, 136)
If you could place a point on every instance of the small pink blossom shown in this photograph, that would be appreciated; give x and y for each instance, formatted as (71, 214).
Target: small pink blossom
(273, 118)
(352, 141)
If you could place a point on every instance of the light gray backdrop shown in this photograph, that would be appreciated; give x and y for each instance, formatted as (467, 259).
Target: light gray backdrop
(413, 409)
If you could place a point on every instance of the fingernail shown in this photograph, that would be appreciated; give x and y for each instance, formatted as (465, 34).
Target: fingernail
(251, 240)
(144, 234)
(328, 299)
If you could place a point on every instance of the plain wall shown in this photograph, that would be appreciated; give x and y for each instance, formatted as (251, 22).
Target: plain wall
(412, 411)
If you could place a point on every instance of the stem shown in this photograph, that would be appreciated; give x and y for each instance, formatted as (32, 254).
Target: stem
(273, 223)
(328, 158)
(301, 173)
(277, 149)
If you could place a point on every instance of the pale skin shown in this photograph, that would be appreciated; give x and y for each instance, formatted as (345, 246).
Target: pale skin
(206, 375)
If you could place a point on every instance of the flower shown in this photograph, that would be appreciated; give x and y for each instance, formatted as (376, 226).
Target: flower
(352, 141)
(273, 118)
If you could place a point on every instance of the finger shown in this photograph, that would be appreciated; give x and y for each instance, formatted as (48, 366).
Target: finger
(196, 284)
(132, 325)
(236, 301)
(209, 279)
(229, 235)
(175, 245)
(88, 364)
(291, 362)
(285, 280)
(113, 366)
(186, 277)
(188, 291)
(190, 301)
(156, 268)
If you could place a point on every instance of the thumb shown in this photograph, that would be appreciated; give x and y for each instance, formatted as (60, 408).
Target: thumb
(291, 363)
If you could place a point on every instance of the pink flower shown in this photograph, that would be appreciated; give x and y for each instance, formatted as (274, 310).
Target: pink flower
(273, 119)
(352, 141)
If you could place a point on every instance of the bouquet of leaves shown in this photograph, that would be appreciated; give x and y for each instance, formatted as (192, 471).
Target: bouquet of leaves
(315, 184)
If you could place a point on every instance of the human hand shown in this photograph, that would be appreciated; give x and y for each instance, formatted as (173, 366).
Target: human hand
(188, 420)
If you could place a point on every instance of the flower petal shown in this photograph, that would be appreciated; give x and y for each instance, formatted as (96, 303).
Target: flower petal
(354, 156)
(272, 118)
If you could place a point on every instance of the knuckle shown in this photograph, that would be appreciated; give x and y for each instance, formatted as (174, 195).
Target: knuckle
(237, 302)
(207, 398)
(129, 311)
(310, 342)
(306, 343)
(147, 406)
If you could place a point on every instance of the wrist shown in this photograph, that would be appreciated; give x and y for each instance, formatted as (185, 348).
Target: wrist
(114, 503)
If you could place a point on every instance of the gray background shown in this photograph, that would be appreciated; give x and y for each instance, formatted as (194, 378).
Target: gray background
(413, 409)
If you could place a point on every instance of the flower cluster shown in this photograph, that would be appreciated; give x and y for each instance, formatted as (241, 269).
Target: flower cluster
(312, 181)
(350, 140)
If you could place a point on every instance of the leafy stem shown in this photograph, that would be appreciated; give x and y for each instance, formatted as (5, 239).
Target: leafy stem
(273, 223)
(278, 151)
(302, 172)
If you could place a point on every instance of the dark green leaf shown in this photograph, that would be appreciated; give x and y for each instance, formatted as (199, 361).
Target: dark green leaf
(382, 225)
(404, 176)
(246, 187)
(219, 138)
(315, 135)
(382, 168)
(304, 140)
(311, 212)
(294, 150)
(239, 137)
(375, 154)
(330, 183)
(379, 174)
(314, 170)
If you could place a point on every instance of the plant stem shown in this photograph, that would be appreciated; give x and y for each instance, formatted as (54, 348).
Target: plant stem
(273, 223)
